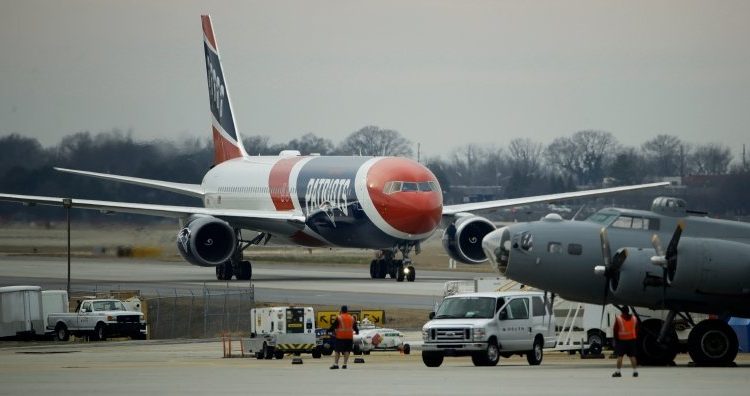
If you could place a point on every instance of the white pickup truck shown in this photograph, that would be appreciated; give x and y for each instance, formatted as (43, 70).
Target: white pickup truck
(100, 318)
(486, 326)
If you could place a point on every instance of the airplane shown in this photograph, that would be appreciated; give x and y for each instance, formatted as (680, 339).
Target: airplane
(388, 204)
(704, 269)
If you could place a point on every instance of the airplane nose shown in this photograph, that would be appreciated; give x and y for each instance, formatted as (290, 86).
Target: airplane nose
(415, 213)
(496, 246)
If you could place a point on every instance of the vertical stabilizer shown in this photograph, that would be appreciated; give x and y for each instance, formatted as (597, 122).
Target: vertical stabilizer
(227, 140)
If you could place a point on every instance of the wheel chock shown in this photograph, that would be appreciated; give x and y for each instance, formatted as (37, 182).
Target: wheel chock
(359, 360)
(296, 360)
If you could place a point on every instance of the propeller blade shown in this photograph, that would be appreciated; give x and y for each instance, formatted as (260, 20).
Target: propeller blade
(606, 255)
(656, 243)
(672, 247)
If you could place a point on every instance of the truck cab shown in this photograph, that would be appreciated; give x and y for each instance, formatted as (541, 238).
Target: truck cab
(486, 326)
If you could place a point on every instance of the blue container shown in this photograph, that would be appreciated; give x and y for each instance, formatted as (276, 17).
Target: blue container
(741, 326)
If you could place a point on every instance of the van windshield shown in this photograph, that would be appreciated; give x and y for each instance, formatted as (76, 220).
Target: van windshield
(466, 307)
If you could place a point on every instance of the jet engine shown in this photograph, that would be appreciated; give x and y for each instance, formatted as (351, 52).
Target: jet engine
(206, 241)
(711, 266)
(463, 239)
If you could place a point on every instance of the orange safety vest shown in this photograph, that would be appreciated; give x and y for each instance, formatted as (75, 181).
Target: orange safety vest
(626, 328)
(345, 327)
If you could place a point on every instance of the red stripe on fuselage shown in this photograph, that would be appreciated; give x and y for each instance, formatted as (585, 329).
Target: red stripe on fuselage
(208, 30)
(223, 149)
(278, 182)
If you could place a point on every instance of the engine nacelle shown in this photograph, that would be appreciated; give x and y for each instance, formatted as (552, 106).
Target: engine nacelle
(712, 266)
(206, 241)
(628, 284)
(463, 239)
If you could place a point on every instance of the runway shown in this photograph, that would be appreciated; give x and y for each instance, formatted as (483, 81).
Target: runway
(159, 367)
(273, 282)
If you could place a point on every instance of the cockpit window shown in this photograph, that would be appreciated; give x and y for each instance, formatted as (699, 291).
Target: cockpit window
(602, 218)
(397, 186)
(636, 223)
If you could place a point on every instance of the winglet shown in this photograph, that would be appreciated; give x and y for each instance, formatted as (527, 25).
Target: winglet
(227, 140)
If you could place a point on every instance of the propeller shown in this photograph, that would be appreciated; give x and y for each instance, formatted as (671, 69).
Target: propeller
(610, 268)
(666, 260)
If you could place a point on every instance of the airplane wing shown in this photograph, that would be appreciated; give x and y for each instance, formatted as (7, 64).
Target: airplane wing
(194, 190)
(450, 210)
(259, 217)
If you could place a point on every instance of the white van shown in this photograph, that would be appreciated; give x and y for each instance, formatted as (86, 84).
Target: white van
(486, 326)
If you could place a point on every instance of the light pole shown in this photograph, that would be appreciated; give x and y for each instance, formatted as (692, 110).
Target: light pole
(67, 203)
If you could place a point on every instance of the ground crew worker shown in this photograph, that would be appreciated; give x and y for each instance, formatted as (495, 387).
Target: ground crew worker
(625, 333)
(344, 328)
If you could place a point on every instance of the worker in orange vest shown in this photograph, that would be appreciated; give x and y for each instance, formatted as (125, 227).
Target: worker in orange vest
(344, 328)
(625, 332)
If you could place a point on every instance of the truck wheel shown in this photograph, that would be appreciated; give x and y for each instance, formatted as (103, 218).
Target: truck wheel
(278, 355)
(100, 332)
(327, 349)
(61, 332)
(267, 351)
(432, 359)
(316, 353)
(535, 355)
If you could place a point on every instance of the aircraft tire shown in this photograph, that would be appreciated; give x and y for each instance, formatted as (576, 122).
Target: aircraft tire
(381, 264)
(400, 273)
(652, 353)
(712, 343)
(373, 269)
(412, 275)
(245, 270)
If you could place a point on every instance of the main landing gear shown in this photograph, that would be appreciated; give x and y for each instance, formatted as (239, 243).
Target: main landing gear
(236, 266)
(385, 263)
(711, 342)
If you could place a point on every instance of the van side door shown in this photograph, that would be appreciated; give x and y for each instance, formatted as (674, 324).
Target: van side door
(515, 327)
(542, 320)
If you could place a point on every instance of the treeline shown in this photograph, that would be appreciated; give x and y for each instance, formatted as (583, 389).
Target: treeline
(523, 167)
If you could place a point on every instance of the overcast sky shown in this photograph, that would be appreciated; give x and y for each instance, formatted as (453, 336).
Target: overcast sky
(443, 73)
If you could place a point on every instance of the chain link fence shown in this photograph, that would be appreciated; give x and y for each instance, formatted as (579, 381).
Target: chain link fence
(203, 313)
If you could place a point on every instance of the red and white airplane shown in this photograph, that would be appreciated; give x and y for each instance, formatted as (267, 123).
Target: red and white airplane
(388, 204)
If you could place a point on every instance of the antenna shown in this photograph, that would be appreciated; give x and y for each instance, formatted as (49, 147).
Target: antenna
(419, 146)
(744, 160)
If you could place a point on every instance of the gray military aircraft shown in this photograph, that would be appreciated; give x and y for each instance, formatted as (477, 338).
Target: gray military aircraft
(704, 269)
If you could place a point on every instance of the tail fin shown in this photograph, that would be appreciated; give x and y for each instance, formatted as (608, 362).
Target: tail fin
(227, 140)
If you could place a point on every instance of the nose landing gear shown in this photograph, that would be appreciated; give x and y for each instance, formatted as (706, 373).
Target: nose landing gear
(385, 263)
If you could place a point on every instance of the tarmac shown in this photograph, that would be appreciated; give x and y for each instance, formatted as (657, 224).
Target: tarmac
(198, 367)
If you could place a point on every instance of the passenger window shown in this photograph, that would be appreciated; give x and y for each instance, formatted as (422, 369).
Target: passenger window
(637, 223)
(575, 249)
(554, 247)
(518, 309)
(538, 306)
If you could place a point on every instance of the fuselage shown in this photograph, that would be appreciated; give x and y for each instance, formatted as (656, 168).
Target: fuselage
(560, 255)
(359, 202)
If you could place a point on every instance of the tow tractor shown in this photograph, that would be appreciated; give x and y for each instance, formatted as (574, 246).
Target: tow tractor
(277, 331)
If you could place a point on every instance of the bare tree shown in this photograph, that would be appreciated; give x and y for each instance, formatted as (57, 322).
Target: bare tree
(584, 154)
(372, 140)
(310, 143)
(525, 156)
(711, 159)
(667, 155)
(627, 167)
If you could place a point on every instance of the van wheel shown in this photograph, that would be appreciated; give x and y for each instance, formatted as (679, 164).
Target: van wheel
(432, 359)
(489, 357)
(535, 355)
(100, 332)
(61, 332)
